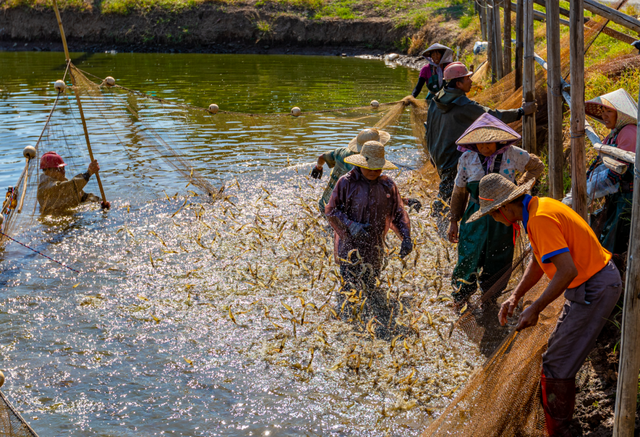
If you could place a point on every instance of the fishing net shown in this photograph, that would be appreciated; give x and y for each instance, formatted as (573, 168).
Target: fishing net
(11, 422)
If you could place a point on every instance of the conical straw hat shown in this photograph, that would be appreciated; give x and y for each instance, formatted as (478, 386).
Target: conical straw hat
(497, 191)
(488, 129)
(619, 100)
(371, 157)
(365, 135)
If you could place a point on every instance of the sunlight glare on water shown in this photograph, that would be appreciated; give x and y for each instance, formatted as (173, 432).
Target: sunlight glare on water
(200, 318)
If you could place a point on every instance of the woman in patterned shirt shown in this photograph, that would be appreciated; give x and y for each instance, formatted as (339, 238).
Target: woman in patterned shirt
(484, 246)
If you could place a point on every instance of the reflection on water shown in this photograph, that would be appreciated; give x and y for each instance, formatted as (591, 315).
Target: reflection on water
(200, 319)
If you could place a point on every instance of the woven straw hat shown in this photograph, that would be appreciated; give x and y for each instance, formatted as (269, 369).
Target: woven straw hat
(487, 134)
(371, 157)
(497, 191)
(365, 135)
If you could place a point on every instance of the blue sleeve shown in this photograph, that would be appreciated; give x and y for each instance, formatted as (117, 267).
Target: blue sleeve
(547, 258)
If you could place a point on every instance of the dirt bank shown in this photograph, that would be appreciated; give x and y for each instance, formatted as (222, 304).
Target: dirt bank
(212, 28)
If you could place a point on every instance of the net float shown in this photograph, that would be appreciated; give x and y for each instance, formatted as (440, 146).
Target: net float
(60, 86)
(295, 111)
(375, 103)
(110, 81)
(29, 152)
(213, 108)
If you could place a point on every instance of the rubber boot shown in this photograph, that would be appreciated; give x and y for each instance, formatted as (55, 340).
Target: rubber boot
(558, 400)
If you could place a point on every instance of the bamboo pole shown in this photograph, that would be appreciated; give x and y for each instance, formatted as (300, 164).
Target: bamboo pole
(554, 101)
(519, 43)
(491, 54)
(578, 154)
(611, 14)
(483, 20)
(507, 37)
(24, 185)
(497, 38)
(529, 79)
(105, 204)
(627, 391)
(541, 16)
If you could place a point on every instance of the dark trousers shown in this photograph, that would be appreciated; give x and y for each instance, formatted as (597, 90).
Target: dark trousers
(580, 323)
(445, 190)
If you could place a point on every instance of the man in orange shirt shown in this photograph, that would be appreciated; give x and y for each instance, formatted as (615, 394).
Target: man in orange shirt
(568, 252)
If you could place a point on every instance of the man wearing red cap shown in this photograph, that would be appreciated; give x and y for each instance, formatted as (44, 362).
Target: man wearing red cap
(55, 191)
(451, 112)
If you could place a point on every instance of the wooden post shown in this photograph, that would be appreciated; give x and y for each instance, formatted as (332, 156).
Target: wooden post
(497, 40)
(627, 392)
(507, 37)
(483, 19)
(554, 101)
(491, 54)
(578, 154)
(519, 43)
(528, 79)
(105, 204)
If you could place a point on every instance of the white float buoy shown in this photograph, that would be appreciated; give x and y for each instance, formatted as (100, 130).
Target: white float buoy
(295, 111)
(29, 152)
(110, 81)
(213, 108)
(60, 85)
(1, 378)
(375, 103)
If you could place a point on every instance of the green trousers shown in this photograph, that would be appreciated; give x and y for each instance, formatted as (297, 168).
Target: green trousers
(485, 247)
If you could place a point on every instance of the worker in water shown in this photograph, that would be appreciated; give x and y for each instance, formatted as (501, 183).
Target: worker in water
(451, 112)
(567, 250)
(362, 208)
(438, 57)
(56, 192)
(336, 160)
(484, 246)
(618, 112)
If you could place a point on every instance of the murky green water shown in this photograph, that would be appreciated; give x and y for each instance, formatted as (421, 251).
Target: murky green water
(192, 318)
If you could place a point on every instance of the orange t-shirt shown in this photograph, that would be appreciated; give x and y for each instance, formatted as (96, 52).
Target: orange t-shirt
(554, 228)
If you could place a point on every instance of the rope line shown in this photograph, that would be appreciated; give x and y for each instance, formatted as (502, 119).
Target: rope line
(200, 108)
(39, 253)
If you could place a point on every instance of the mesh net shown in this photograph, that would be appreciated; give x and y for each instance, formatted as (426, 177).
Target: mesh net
(11, 423)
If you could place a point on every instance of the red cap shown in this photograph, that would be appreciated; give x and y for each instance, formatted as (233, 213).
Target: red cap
(51, 160)
(455, 70)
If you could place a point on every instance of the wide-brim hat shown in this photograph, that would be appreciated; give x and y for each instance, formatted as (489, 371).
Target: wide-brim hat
(371, 157)
(620, 101)
(488, 129)
(373, 134)
(496, 191)
(434, 47)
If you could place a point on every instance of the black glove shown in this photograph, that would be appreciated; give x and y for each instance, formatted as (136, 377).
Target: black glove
(406, 247)
(358, 229)
(414, 204)
(316, 172)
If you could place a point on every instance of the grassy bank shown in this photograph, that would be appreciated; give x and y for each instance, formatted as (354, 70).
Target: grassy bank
(415, 13)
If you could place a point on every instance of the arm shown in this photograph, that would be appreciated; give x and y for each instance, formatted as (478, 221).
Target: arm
(566, 272)
(334, 210)
(418, 88)
(533, 169)
(531, 276)
(402, 224)
(459, 200)
(316, 172)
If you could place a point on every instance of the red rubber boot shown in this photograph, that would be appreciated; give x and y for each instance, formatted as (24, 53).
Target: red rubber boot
(558, 400)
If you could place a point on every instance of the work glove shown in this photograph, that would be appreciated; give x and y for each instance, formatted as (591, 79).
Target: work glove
(414, 204)
(529, 108)
(316, 172)
(406, 247)
(358, 229)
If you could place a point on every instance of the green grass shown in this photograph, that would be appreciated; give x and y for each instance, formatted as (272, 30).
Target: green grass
(82, 5)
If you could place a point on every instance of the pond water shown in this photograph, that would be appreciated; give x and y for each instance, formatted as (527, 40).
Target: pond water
(200, 318)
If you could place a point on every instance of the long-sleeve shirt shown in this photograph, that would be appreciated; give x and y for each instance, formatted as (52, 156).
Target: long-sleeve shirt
(451, 112)
(377, 203)
(59, 195)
